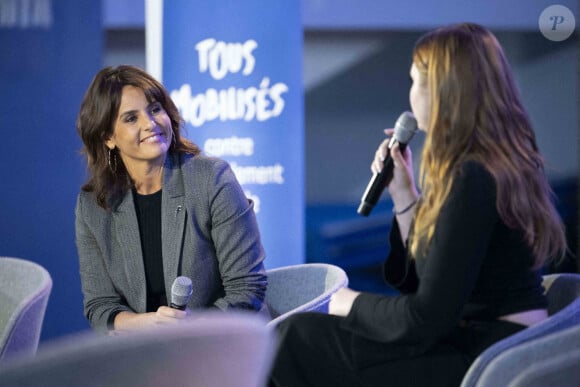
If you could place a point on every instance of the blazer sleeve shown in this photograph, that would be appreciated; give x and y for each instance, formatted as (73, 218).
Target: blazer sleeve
(237, 241)
(463, 230)
(100, 298)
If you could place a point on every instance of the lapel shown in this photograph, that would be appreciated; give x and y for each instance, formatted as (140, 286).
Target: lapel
(173, 215)
(127, 232)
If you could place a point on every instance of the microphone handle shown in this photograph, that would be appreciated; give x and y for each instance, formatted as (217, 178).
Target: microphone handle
(175, 306)
(377, 184)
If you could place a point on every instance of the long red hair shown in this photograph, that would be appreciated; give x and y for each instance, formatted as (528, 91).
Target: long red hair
(477, 114)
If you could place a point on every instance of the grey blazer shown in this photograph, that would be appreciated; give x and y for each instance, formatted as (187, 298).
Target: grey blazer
(209, 233)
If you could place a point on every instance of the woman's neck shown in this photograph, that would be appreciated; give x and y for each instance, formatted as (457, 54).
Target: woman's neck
(147, 178)
(148, 186)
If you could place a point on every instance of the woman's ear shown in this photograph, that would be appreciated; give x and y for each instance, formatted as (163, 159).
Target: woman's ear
(110, 143)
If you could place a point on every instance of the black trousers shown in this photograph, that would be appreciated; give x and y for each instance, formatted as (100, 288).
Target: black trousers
(315, 351)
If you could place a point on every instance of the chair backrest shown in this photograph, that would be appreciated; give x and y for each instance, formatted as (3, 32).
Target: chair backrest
(561, 290)
(24, 290)
(213, 349)
(561, 370)
(539, 360)
(563, 295)
(302, 288)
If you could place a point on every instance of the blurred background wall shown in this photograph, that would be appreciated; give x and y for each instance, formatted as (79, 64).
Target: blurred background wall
(355, 72)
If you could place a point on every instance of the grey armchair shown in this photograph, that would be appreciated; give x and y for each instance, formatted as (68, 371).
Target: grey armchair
(24, 291)
(213, 349)
(302, 288)
(550, 360)
(563, 294)
(560, 371)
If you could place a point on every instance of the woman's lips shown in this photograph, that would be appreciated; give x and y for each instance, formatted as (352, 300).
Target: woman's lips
(157, 137)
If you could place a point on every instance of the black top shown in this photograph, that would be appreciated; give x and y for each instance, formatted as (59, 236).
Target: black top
(476, 268)
(148, 209)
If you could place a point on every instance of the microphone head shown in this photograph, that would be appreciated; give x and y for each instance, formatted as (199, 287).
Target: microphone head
(181, 290)
(405, 127)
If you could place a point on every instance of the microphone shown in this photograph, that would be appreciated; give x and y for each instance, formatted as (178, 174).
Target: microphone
(405, 129)
(180, 292)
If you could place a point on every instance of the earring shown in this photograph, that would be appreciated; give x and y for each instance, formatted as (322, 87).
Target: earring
(173, 140)
(113, 164)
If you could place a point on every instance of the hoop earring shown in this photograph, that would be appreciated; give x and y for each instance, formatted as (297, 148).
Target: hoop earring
(113, 163)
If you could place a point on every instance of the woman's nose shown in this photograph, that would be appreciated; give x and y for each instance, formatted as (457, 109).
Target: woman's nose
(150, 124)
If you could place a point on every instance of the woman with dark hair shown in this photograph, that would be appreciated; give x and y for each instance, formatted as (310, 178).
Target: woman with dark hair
(154, 208)
(464, 254)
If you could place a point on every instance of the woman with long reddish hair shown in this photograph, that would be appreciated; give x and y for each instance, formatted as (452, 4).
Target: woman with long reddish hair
(464, 253)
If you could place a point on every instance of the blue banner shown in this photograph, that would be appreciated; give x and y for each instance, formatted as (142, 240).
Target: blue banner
(49, 50)
(234, 70)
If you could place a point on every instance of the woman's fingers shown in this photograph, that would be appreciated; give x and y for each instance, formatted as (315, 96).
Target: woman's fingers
(381, 153)
(166, 314)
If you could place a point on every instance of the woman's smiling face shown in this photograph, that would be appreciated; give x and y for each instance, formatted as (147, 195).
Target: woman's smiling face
(142, 132)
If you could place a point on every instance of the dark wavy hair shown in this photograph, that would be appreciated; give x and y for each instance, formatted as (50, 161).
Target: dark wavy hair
(108, 177)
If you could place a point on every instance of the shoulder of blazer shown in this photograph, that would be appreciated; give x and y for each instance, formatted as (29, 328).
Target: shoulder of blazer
(200, 167)
(199, 176)
(90, 213)
(199, 162)
(87, 203)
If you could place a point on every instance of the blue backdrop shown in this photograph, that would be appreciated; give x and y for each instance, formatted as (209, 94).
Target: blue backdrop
(49, 51)
(234, 70)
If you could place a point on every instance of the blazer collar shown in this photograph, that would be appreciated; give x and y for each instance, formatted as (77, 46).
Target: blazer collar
(173, 216)
(127, 233)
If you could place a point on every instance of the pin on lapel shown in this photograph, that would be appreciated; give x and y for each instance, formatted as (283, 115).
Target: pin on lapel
(178, 210)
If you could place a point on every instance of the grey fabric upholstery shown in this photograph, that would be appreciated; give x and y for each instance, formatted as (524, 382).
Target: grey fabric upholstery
(525, 363)
(562, 370)
(302, 288)
(24, 290)
(563, 294)
(213, 349)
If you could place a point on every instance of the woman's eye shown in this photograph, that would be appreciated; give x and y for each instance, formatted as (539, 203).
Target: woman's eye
(130, 119)
(156, 109)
